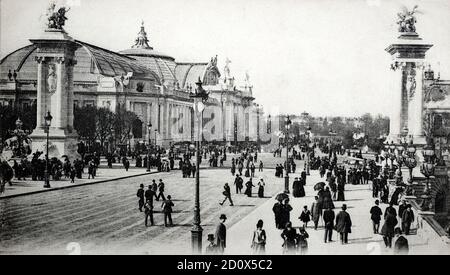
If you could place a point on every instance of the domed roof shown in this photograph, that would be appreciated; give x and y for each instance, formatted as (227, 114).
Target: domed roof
(161, 64)
(91, 61)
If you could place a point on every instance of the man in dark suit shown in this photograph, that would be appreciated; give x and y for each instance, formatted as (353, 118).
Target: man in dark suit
(343, 224)
(221, 234)
(149, 194)
(328, 218)
(140, 195)
(239, 182)
(407, 219)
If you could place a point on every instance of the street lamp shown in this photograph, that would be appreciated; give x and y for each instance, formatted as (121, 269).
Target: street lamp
(286, 178)
(48, 122)
(149, 128)
(427, 169)
(199, 97)
(411, 161)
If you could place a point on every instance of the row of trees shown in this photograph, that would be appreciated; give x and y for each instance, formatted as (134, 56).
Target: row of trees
(92, 124)
(100, 124)
(368, 129)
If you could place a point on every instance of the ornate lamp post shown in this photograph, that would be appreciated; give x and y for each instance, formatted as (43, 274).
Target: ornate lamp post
(410, 161)
(286, 177)
(308, 143)
(427, 169)
(48, 122)
(149, 128)
(196, 232)
(392, 154)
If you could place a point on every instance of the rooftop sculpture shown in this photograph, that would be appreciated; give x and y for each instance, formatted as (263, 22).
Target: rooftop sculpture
(407, 20)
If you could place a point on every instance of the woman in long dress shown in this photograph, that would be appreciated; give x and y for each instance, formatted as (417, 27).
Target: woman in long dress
(248, 189)
(259, 239)
(261, 185)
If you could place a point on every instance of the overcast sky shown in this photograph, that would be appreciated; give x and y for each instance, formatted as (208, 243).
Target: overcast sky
(325, 57)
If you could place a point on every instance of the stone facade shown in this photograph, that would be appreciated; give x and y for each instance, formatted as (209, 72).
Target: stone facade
(147, 82)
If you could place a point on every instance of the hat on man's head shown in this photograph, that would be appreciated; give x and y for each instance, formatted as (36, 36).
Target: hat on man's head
(210, 237)
(223, 217)
(344, 207)
(141, 185)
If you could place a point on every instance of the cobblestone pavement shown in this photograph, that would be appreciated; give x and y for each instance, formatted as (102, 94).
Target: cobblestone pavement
(104, 219)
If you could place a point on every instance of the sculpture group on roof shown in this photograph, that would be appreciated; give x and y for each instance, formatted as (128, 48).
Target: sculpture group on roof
(56, 18)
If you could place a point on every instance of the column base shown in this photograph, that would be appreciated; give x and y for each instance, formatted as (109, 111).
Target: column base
(419, 140)
(60, 143)
(393, 138)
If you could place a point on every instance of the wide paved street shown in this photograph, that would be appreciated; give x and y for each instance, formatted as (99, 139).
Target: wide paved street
(362, 241)
(104, 219)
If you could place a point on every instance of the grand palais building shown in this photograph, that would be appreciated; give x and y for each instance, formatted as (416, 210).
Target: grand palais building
(152, 85)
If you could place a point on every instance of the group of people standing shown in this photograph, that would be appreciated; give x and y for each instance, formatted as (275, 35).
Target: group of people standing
(145, 200)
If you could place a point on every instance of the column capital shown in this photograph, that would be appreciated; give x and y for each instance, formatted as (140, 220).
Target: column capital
(39, 59)
(398, 65)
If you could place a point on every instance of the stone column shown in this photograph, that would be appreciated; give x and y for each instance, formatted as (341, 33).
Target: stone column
(417, 107)
(40, 101)
(58, 97)
(396, 106)
(149, 120)
(186, 123)
(70, 94)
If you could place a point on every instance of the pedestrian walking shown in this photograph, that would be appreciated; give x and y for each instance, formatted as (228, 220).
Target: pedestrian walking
(126, 164)
(375, 216)
(298, 189)
(289, 236)
(149, 194)
(148, 213)
(227, 194)
(261, 186)
(277, 210)
(305, 216)
(390, 221)
(390, 210)
(343, 224)
(302, 241)
(261, 166)
(167, 210)
(221, 234)
(141, 195)
(407, 219)
(259, 239)
(211, 249)
(401, 246)
(72, 175)
(161, 190)
(286, 212)
(328, 218)
(248, 189)
(316, 212)
(239, 183)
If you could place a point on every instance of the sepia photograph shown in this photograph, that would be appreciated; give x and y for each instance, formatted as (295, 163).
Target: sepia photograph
(245, 128)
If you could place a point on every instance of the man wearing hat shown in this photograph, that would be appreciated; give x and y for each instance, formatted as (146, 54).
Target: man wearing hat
(221, 234)
(212, 247)
(343, 224)
(140, 195)
(149, 194)
(407, 219)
